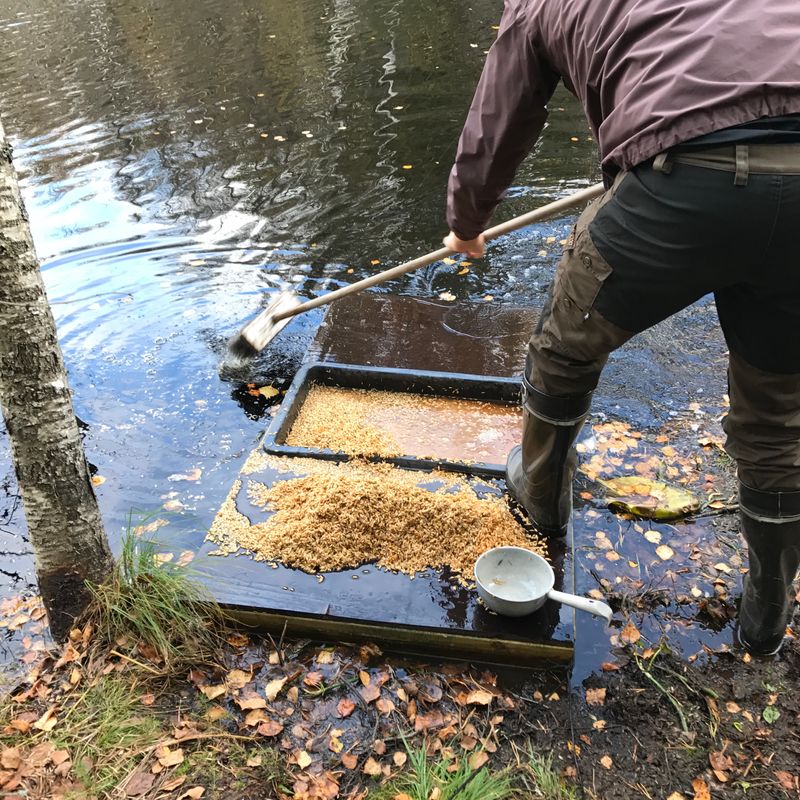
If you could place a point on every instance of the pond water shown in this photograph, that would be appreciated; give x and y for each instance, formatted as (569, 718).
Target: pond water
(183, 161)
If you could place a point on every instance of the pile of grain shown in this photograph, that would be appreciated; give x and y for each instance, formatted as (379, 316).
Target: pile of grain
(350, 515)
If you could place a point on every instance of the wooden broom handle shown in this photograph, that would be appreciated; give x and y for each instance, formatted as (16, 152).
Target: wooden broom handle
(550, 210)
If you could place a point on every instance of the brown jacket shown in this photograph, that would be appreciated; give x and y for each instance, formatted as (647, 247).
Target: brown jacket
(650, 74)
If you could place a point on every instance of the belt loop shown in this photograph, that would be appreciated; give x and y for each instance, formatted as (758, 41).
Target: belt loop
(742, 165)
(662, 164)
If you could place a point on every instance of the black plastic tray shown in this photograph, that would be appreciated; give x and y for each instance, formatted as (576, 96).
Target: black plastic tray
(349, 376)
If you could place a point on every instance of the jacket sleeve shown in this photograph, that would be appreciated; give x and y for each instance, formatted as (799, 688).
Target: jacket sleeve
(506, 117)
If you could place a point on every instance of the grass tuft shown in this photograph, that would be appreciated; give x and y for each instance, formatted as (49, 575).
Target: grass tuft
(156, 605)
(426, 778)
(538, 778)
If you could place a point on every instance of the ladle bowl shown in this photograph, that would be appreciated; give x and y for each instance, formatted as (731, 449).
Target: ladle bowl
(515, 582)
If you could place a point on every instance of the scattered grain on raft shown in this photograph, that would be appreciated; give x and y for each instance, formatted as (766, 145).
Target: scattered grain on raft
(342, 516)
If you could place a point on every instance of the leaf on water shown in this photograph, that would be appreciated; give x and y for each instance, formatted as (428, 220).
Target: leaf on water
(649, 499)
(463, 271)
(654, 537)
(98, 480)
(273, 688)
(664, 552)
(375, 262)
(173, 505)
(186, 557)
(269, 391)
(191, 475)
(630, 633)
(447, 296)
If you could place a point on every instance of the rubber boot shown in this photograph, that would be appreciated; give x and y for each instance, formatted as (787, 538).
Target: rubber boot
(771, 528)
(539, 472)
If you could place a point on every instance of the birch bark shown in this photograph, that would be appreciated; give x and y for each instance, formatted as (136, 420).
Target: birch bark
(64, 522)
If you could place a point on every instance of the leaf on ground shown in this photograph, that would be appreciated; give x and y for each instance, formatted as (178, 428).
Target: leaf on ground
(213, 692)
(47, 721)
(173, 783)
(255, 717)
(147, 699)
(313, 679)
(630, 633)
(719, 761)
(195, 793)
(596, 697)
(372, 767)
(364, 677)
(649, 499)
(169, 758)
(370, 693)
(237, 679)
(700, 789)
(425, 722)
(273, 688)
(606, 762)
(770, 715)
(345, 707)
(399, 758)
(349, 761)
(676, 796)
(10, 758)
(385, 706)
(477, 759)
(270, 728)
(139, 784)
(787, 780)
(251, 701)
(303, 759)
(479, 697)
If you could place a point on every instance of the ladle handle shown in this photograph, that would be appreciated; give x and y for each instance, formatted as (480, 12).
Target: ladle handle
(596, 607)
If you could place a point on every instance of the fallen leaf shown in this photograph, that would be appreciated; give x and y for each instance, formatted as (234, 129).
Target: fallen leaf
(169, 758)
(630, 633)
(477, 759)
(269, 391)
(479, 697)
(195, 793)
(313, 679)
(303, 759)
(191, 475)
(786, 780)
(172, 784)
(770, 715)
(237, 679)
(424, 722)
(251, 701)
(345, 707)
(273, 688)
(596, 697)
(408, 166)
(719, 761)
(98, 480)
(139, 784)
(649, 499)
(147, 699)
(606, 762)
(47, 721)
(664, 552)
(700, 788)
(186, 557)
(255, 717)
(447, 296)
(599, 724)
(372, 767)
(270, 728)
(676, 796)
(10, 758)
(349, 761)
(370, 693)
(212, 692)
(654, 537)
(399, 758)
(385, 706)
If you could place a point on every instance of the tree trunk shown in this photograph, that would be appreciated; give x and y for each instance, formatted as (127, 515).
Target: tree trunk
(64, 521)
